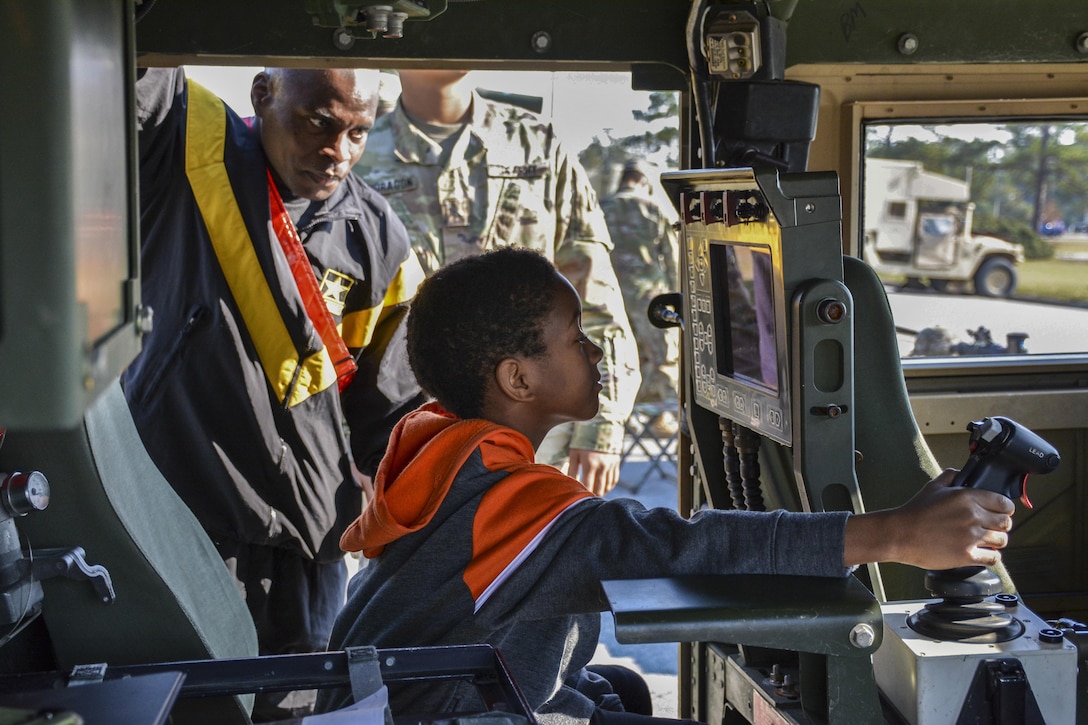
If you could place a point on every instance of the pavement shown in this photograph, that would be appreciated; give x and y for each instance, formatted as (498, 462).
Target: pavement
(1050, 328)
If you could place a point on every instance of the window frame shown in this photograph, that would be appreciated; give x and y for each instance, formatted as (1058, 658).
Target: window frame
(861, 113)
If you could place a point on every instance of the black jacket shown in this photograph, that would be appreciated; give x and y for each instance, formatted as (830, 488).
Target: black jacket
(232, 393)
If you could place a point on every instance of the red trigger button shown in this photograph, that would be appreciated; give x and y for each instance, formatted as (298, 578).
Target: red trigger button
(1024, 492)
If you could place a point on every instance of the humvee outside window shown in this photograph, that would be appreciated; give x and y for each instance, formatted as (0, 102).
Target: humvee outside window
(980, 234)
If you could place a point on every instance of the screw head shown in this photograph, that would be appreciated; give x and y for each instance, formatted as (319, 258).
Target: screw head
(908, 44)
(862, 636)
(342, 39)
(1081, 43)
(541, 41)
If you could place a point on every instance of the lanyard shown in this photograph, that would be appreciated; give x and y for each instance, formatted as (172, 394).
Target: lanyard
(312, 299)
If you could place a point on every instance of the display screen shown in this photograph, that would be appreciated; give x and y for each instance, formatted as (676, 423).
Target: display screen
(69, 288)
(744, 313)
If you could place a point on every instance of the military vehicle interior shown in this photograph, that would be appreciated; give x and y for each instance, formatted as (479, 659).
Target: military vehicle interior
(794, 391)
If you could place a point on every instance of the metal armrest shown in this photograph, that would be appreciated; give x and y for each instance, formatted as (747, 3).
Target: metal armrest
(833, 624)
(805, 614)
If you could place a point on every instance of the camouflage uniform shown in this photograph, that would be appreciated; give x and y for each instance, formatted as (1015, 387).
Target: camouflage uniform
(507, 181)
(645, 257)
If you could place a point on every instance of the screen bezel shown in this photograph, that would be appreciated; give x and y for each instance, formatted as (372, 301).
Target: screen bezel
(715, 223)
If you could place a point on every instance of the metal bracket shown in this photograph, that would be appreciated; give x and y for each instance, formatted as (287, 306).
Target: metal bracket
(71, 563)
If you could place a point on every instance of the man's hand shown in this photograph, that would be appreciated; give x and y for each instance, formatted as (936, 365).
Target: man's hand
(365, 482)
(941, 527)
(599, 472)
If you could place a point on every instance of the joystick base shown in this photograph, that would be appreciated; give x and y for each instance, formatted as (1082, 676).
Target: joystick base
(967, 621)
(964, 615)
(927, 680)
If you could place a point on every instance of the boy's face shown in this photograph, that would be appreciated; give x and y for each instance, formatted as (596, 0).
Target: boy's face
(568, 379)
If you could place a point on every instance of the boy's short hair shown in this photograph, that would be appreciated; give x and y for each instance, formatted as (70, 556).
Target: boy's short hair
(469, 316)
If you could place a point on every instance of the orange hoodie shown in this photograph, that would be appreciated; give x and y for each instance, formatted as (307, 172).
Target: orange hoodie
(426, 451)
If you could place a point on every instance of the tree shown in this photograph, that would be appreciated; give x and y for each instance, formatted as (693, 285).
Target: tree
(604, 158)
(1039, 174)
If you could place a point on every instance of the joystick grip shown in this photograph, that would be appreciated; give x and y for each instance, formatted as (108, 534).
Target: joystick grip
(1003, 453)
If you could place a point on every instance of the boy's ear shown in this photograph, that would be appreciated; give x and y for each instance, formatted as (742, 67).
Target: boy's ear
(513, 380)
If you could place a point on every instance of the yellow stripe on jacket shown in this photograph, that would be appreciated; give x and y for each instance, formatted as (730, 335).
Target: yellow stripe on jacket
(357, 328)
(204, 144)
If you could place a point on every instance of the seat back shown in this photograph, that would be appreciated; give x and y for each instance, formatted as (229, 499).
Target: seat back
(174, 597)
(894, 460)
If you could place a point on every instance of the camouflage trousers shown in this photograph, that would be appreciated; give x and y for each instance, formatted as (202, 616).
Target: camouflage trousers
(658, 353)
(554, 450)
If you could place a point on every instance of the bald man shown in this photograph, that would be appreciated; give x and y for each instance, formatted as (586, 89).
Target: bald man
(279, 283)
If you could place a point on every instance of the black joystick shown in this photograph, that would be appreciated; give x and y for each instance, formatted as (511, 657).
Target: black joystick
(1003, 454)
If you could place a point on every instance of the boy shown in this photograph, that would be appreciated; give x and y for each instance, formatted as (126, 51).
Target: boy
(472, 542)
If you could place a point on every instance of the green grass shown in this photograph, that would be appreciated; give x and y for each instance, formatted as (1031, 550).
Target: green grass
(1053, 279)
(1047, 279)
(1069, 244)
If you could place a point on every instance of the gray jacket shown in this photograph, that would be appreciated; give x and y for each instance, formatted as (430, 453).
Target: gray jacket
(511, 553)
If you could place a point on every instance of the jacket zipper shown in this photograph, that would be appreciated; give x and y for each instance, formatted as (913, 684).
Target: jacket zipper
(170, 360)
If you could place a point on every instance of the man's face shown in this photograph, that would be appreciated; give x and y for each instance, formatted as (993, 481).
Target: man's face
(314, 125)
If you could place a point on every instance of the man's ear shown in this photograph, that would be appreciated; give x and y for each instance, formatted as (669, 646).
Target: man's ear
(260, 93)
(514, 380)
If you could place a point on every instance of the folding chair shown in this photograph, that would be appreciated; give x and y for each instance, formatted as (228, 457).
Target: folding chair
(661, 453)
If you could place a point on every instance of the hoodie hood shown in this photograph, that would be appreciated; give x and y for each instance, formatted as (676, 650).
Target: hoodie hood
(427, 448)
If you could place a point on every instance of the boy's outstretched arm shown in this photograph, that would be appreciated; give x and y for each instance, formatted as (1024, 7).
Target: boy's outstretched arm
(941, 527)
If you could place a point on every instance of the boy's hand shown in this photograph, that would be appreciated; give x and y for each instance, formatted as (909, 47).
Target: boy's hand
(597, 471)
(941, 527)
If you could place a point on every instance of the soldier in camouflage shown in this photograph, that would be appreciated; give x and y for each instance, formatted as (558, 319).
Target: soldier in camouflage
(466, 175)
(645, 257)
